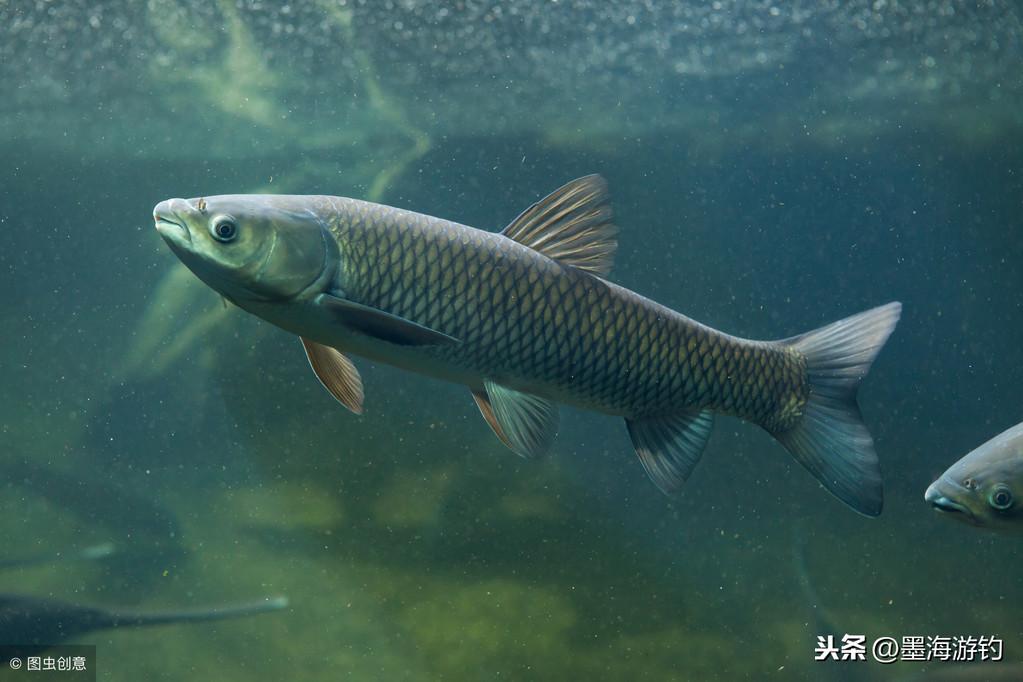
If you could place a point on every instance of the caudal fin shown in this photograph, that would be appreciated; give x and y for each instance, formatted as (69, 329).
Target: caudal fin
(198, 615)
(830, 439)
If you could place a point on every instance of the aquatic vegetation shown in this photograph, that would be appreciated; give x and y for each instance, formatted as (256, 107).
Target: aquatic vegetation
(384, 104)
(222, 67)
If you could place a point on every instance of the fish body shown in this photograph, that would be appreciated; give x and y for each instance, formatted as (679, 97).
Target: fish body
(525, 319)
(985, 487)
(533, 324)
(32, 624)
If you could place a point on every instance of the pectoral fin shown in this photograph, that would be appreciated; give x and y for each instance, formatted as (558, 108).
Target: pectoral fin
(525, 423)
(383, 325)
(669, 447)
(337, 374)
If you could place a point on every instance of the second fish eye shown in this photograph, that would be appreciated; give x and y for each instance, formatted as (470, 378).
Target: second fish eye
(224, 230)
(1001, 497)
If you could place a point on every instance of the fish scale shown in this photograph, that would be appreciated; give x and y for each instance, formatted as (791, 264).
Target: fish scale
(532, 322)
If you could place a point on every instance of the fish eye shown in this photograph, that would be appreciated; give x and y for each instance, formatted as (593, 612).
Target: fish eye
(1001, 497)
(224, 230)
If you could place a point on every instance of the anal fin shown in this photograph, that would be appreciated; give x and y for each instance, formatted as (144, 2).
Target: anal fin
(337, 374)
(670, 446)
(525, 423)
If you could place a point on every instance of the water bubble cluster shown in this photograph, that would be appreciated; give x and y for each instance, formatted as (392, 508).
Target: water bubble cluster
(485, 67)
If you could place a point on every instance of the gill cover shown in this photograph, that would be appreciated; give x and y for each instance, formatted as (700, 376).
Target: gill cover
(292, 255)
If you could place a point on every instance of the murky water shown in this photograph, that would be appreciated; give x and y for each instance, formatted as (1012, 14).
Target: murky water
(772, 167)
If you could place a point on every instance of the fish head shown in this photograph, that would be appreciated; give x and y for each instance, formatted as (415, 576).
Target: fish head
(248, 247)
(984, 488)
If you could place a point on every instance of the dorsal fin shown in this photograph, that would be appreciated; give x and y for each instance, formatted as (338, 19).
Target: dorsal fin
(571, 225)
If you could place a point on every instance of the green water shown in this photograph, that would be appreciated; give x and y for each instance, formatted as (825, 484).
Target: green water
(772, 169)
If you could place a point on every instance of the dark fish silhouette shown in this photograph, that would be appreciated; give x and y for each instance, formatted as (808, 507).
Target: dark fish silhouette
(33, 624)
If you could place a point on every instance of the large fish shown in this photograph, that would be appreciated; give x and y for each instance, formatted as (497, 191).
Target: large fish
(985, 487)
(526, 319)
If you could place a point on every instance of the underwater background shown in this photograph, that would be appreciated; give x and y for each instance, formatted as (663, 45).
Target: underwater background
(773, 167)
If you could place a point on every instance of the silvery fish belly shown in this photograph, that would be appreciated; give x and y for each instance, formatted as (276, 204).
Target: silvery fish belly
(525, 319)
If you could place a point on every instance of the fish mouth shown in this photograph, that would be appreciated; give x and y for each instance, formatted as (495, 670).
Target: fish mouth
(947, 505)
(169, 224)
(172, 231)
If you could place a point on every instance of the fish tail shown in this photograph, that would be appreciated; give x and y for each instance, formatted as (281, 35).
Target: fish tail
(830, 438)
(200, 615)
